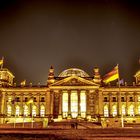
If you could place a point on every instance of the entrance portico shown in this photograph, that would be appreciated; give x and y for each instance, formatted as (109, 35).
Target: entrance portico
(73, 97)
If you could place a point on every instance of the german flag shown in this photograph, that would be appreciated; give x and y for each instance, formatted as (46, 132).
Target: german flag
(1, 62)
(30, 101)
(112, 75)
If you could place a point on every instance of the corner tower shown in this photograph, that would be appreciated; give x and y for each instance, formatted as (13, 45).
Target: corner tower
(137, 76)
(6, 77)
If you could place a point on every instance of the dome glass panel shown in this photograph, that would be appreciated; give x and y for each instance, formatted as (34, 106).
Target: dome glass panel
(73, 72)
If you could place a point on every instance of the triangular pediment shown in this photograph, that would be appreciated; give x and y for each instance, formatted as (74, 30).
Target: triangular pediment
(74, 81)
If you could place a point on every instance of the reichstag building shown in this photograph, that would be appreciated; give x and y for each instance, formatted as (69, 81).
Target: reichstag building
(71, 95)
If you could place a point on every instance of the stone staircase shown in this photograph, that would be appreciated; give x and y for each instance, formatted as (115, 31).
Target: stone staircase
(74, 124)
(71, 134)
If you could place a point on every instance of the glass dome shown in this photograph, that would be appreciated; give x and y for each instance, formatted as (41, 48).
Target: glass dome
(72, 72)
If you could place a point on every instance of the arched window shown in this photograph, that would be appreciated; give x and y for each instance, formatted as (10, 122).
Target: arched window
(26, 110)
(17, 111)
(131, 110)
(65, 104)
(83, 104)
(114, 110)
(34, 110)
(139, 109)
(9, 110)
(123, 110)
(106, 113)
(42, 111)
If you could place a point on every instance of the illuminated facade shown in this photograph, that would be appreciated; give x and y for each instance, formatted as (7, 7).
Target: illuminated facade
(71, 95)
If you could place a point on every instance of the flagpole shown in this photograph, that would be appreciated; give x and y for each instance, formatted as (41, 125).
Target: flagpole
(119, 86)
(32, 115)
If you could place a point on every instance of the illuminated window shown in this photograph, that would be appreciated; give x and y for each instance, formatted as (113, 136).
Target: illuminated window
(131, 110)
(9, 110)
(139, 109)
(106, 113)
(83, 104)
(74, 104)
(114, 110)
(34, 110)
(9, 99)
(65, 104)
(123, 110)
(42, 111)
(138, 98)
(17, 110)
(26, 110)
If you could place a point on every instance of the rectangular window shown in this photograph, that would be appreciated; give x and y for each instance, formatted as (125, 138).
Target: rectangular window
(9, 110)
(122, 99)
(123, 110)
(106, 112)
(35, 99)
(131, 99)
(17, 99)
(9, 99)
(17, 110)
(114, 110)
(26, 99)
(114, 99)
(26, 110)
(42, 111)
(42, 99)
(105, 99)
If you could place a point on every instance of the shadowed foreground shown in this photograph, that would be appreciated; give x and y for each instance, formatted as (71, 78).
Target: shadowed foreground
(53, 134)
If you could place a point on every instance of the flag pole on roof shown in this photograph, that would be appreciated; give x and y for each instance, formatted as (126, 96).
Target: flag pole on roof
(112, 75)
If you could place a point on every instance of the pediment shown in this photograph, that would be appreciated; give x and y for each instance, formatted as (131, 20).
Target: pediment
(74, 81)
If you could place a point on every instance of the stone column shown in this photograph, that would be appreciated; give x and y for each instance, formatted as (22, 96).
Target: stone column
(60, 105)
(110, 105)
(3, 100)
(95, 102)
(119, 104)
(22, 105)
(135, 104)
(79, 108)
(100, 104)
(48, 103)
(69, 104)
(3, 106)
(52, 102)
(126, 103)
(88, 105)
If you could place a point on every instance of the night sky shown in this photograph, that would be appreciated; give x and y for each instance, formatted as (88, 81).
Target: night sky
(37, 34)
